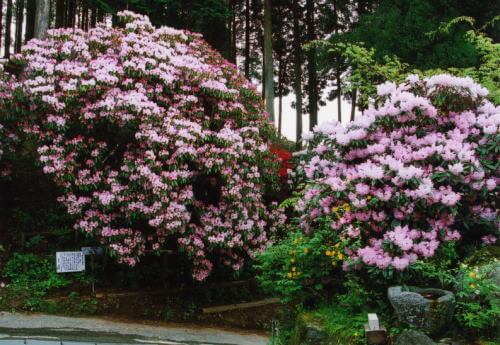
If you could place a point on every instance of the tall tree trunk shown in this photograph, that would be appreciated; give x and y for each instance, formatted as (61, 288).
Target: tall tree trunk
(297, 70)
(69, 13)
(234, 32)
(263, 79)
(74, 13)
(60, 13)
(85, 16)
(19, 25)
(280, 93)
(339, 93)
(30, 20)
(100, 15)
(312, 68)
(42, 18)
(338, 73)
(93, 17)
(247, 38)
(8, 24)
(235, 39)
(353, 106)
(1, 26)
(268, 60)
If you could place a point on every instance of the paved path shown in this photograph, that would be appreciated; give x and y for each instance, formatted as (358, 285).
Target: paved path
(102, 331)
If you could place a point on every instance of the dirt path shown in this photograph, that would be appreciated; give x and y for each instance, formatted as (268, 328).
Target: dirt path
(103, 330)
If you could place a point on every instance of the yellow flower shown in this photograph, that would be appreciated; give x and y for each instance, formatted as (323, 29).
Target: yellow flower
(334, 263)
(337, 245)
(306, 250)
(328, 253)
(289, 275)
(294, 269)
(340, 256)
(472, 275)
(292, 260)
(472, 286)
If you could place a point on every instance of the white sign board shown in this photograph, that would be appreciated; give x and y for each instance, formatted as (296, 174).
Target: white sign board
(373, 322)
(70, 262)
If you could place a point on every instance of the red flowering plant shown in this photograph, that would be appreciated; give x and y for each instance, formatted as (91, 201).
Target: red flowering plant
(152, 136)
(284, 158)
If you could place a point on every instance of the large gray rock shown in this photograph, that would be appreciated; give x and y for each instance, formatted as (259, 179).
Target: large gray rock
(413, 338)
(428, 309)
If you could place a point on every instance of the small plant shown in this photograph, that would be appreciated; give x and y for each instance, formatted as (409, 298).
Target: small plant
(478, 304)
(167, 313)
(438, 271)
(31, 278)
(189, 311)
(300, 267)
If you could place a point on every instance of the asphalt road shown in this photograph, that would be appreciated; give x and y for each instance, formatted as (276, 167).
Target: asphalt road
(37, 329)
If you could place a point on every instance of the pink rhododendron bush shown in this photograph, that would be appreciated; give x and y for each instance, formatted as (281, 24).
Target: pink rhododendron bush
(152, 137)
(416, 170)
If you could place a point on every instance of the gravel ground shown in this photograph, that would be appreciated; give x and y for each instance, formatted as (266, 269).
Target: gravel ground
(101, 331)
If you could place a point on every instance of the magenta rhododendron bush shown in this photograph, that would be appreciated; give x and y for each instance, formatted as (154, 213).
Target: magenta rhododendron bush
(417, 169)
(153, 137)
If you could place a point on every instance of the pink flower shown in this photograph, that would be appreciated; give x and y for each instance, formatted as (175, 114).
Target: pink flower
(489, 239)
(407, 160)
(400, 263)
(362, 189)
(456, 169)
(152, 154)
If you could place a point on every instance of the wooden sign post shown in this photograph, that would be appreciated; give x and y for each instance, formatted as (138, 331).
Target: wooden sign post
(92, 251)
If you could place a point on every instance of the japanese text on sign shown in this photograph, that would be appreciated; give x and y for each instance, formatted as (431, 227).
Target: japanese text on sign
(70, 262)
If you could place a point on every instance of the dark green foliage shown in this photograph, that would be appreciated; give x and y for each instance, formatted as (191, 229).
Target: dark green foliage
(31, 279)
(297, 269)
(478, 298)
(404, 28)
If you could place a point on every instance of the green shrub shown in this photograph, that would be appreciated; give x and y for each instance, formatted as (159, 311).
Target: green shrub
(300, 268)
(31, 278)
(478, 298)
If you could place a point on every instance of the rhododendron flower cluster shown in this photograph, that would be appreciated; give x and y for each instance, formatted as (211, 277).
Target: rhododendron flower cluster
(153, 137)
(418, 168)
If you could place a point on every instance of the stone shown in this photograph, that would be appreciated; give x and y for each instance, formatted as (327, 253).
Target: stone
(314, 334)
(430, 310)
(411, 337)
(309, 331)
